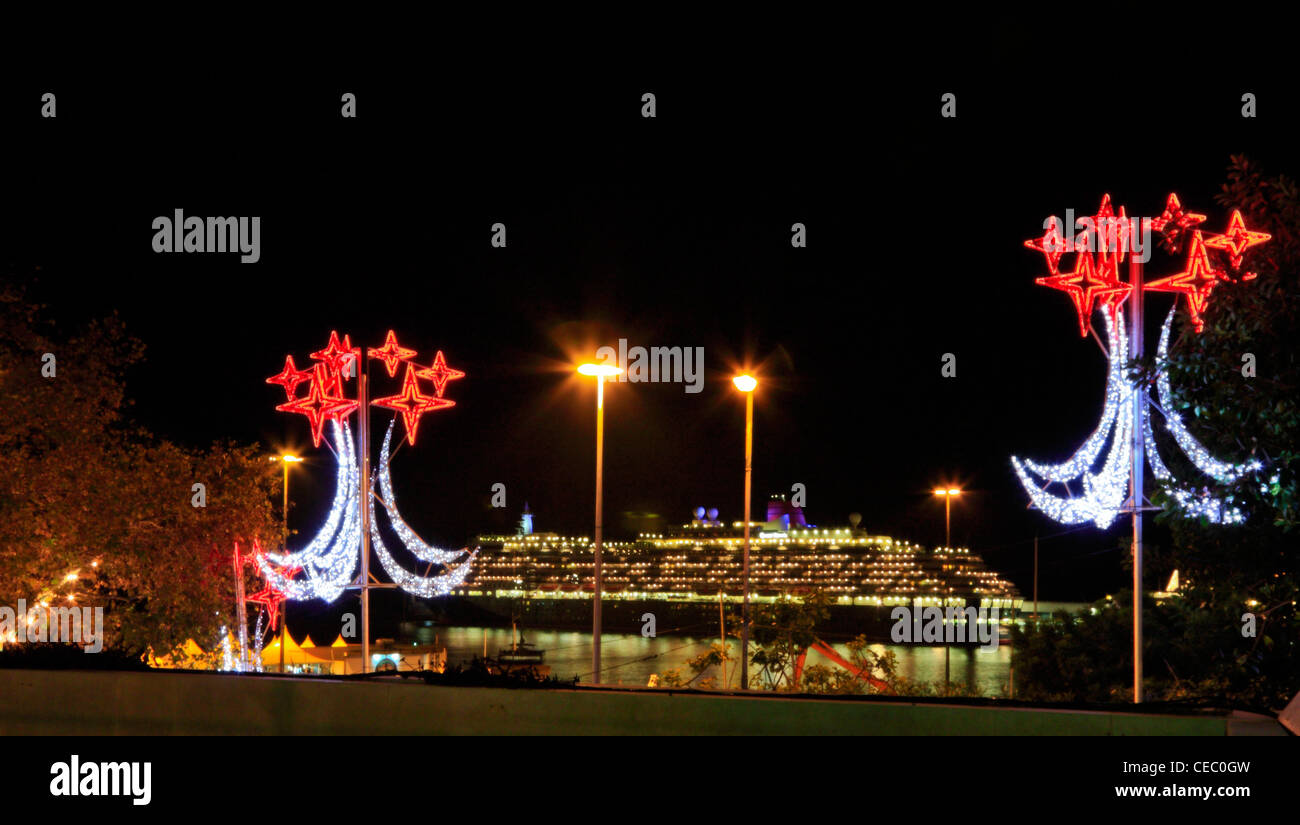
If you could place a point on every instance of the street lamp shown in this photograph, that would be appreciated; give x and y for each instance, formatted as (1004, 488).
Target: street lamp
(746, 383)
(948, 494)
(285, 460)
(600, 372)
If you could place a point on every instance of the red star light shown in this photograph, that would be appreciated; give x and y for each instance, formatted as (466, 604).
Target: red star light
(412, 403)
(1084, 287)
(1052, 245)
(1196, 282)
(1113, 292)
(1174, 220)
(336, 355)
(1236, 240)
(392, 353)
(318, 405)
(290, 377)
(440, 373)
(271, 599)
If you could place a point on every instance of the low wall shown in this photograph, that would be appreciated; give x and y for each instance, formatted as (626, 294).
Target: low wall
(64, 702)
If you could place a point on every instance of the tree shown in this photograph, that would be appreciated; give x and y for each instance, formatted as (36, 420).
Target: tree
(96, 509)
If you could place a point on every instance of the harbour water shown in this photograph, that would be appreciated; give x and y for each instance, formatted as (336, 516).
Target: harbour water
(630, 659)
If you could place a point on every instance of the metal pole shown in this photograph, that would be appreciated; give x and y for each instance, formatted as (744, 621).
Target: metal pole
(1136, 465)
(744, 610)
(947, 519)
(363, 439)
(947, 541)
(722, 636)
(600, 454)
(284, 605)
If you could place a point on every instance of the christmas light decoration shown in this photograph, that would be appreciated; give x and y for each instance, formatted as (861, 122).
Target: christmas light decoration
(1052, 245)
(337, 355)
(1099, 497)
(328, 564)
(1174, 221)
(1196, 282)
(392, 353)
(412, 403)
(440, 374)
(412, 542)
(290, 377)
(1237, 239)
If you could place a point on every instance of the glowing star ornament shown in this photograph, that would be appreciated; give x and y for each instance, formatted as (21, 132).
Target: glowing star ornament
(337, 355)
(1236, 240)
(1174, 220)
(440, 374)
(1196, 282)
(1052, 245)
(412, 403)
(270, 599)
(1084, 287)
(314, 405)
(392, 354)
(290, 377)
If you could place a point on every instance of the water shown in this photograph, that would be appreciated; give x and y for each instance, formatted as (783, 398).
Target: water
(630, 658)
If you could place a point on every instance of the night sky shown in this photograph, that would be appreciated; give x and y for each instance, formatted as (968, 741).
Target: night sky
(673, 231)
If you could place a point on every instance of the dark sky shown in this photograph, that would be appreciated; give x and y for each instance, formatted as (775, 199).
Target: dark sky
(673, 231)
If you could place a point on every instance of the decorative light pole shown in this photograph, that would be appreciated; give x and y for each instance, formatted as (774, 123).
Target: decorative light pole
(338, 557)
(1117, 486)
(747, 384)
(601, 372)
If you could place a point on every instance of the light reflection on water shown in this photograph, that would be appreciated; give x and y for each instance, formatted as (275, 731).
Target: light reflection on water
(630, 658)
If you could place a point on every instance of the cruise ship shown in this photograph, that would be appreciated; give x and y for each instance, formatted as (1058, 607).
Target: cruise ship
(683, 574)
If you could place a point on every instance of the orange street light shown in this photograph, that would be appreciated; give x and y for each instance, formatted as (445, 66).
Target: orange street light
(601, 372)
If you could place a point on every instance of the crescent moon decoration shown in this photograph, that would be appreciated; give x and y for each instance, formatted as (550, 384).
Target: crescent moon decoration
(1099, 497)
(329, 562)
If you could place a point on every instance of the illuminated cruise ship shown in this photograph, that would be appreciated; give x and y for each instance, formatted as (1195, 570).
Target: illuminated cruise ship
(701, 563)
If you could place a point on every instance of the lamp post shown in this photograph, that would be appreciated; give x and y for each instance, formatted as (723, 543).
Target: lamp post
(948, 494)
(746, 383)
(285, 460)
(601, 372)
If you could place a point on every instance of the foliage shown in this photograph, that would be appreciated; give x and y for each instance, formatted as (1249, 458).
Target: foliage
(86, 493)
(1192, 651)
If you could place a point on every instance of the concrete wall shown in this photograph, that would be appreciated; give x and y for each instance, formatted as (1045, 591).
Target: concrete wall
(177, 702)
